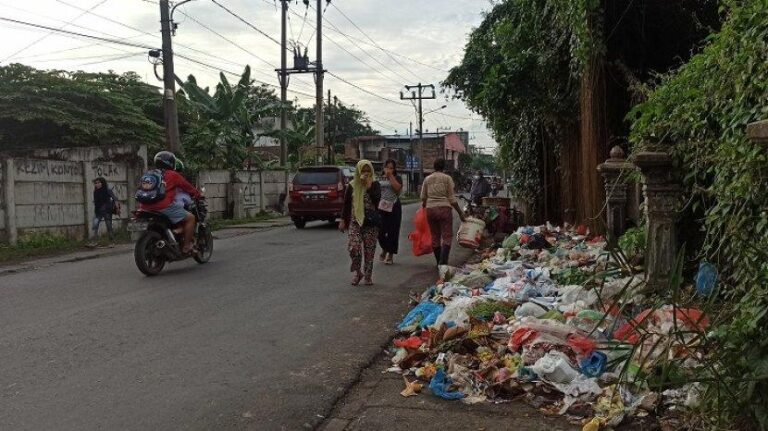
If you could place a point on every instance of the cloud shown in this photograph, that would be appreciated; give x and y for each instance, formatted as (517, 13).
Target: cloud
(431, 32)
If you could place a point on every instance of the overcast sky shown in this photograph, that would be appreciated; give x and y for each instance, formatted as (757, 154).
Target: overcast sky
(430, 33)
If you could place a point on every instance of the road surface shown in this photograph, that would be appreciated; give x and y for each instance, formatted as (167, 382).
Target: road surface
(266, 336)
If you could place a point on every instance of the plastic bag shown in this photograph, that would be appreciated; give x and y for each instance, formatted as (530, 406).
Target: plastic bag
(425, 314)
(594, 364)
(455, 313)
(511, 242)
(706, 279)
(421, 237)
(440, 384)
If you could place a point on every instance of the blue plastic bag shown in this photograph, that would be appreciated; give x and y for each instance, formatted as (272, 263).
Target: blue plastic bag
(440, 384)
(425, 314)
(594, 364)
(706, 279)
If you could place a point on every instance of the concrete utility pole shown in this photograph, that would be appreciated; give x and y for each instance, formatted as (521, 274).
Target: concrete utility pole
(330, 129)
(420, 96)
(169, 80)
(283, 75)
(319, 130)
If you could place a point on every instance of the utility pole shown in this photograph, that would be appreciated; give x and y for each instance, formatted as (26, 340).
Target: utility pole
(330, 129)
(172, 141)
(319, 130)
(283, 75)
(419, 95)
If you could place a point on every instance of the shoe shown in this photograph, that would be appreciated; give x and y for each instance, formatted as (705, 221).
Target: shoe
(111, 245)
(368, 281)
(383, 256)
(92, 244)
(390, 260)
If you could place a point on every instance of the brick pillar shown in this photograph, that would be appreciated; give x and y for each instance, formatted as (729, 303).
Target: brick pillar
(88, 177)
(614, 172)
(662, 203)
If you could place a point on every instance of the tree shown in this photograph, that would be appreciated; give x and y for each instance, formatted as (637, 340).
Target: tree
(345, 122)
(554, 79)
(224, 126)
(58, 108)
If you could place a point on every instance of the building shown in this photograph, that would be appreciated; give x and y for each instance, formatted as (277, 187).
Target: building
(406, 150)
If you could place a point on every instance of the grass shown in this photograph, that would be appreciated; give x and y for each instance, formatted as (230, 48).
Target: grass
(221, 223)
(407, 199)
(46, 244)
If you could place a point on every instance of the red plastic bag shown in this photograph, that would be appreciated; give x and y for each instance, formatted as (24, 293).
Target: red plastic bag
(421, 237)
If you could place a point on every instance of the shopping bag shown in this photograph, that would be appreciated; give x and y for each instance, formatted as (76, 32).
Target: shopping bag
(421, 237)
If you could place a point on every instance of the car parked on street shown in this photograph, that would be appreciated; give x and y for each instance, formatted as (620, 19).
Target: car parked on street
(317, 193)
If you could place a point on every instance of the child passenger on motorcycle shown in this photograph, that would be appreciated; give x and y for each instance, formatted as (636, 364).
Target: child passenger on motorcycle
(169, 207)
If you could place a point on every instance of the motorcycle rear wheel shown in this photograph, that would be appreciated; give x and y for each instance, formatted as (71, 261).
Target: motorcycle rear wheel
(149, 262)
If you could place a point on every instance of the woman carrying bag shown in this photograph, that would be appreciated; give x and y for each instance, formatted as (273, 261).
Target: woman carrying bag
(391, 211)
(361, 217)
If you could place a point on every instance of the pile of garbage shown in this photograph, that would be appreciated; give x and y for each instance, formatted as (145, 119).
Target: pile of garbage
(549, 319)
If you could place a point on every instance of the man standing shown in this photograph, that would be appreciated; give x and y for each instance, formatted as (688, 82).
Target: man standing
(480, 188)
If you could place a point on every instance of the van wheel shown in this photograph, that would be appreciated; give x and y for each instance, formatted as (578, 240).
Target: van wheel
(299, 223)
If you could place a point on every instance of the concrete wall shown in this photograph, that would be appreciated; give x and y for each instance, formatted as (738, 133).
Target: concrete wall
(52, 190)
(242, 197)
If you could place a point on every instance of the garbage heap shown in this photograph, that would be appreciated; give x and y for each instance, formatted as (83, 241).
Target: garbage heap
(549, 318)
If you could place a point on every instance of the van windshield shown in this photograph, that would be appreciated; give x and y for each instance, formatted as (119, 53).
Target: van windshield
(317, 177)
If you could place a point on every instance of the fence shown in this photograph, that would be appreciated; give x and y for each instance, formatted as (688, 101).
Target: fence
(244, 193)
(52, 190)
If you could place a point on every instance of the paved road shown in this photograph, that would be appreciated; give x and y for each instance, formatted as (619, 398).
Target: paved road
(267, 336)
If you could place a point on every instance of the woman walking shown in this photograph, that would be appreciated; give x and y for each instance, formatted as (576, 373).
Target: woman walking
(362, 219)
(391, 211)
(104, 202)
(438, 196)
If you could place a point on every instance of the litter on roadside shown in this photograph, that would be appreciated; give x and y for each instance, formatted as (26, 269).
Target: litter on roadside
(548, 319)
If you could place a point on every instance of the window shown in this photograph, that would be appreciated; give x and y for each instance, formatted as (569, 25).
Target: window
(317, 177)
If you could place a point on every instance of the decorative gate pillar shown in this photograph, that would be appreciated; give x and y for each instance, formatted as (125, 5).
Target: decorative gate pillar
(662, 203)
(613, 172)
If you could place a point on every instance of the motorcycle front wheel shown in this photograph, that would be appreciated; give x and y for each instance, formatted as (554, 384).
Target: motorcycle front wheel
(204, 245)
(148, 259)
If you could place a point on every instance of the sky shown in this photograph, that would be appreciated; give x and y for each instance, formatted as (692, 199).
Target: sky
(376, 46)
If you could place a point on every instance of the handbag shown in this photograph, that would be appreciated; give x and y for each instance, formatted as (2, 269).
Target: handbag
(372, 218)
(386, 206)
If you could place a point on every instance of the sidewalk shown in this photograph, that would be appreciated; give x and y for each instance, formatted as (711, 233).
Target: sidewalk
(375, 403)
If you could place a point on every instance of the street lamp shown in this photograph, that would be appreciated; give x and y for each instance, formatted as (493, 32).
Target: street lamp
(435, 110)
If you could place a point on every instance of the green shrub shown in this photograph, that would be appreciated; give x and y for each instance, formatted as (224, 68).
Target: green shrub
(699, 114)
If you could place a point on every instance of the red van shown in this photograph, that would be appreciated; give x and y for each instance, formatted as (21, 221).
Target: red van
(317, 193)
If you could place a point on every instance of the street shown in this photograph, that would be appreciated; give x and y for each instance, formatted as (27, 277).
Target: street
(266, 336)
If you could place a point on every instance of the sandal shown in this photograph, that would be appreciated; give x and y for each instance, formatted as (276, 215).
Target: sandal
(356, 279)
(390, 260)
(383, 256)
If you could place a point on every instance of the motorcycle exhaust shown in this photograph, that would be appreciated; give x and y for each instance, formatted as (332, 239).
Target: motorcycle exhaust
(171, 237)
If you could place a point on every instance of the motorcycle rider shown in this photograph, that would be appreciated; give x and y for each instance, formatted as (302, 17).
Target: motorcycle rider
(169, 207)
(480, 188)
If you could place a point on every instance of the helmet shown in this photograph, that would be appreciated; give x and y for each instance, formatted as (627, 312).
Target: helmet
(165, 160)
(179, 166)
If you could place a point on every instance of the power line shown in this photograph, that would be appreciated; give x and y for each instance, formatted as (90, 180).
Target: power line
(386, 51)
(35, 42)
(246, 22)
(333, 26)
(366, 91)
(75, 34)
(229, 72)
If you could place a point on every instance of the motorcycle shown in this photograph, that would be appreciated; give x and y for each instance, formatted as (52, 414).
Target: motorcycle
(158, 244)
